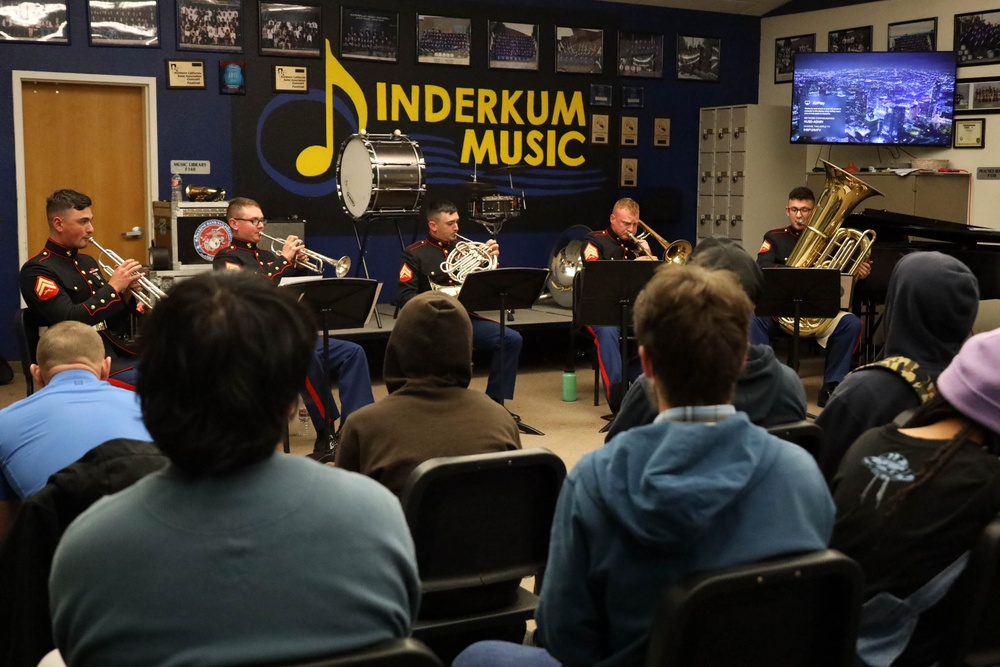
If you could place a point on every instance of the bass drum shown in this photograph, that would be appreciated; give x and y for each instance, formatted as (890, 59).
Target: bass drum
(565, 262)
(380, 175)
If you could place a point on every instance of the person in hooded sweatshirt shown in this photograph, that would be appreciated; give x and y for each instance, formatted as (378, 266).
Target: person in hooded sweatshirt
(700, 488)
(769, 392)
(930, 307)
(430, 410)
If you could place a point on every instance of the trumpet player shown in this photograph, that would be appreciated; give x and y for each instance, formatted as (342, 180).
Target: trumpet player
(617, 242)
(421, 266)
(344, 360)
(62, 283)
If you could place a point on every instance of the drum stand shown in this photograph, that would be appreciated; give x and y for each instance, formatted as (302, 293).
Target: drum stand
(362, 241)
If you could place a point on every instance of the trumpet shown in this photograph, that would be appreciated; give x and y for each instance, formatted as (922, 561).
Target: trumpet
(148, 293)
(314, 261)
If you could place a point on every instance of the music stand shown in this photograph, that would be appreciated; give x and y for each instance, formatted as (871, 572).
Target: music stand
(607, 291)
(798, 293)
(340, 303)
(501, 289)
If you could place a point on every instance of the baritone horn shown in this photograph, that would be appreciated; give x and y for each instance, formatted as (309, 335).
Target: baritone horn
(313, 260)
(675, 253)
(148, 294)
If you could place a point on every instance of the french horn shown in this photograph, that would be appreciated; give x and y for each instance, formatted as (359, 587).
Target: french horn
(466, 257)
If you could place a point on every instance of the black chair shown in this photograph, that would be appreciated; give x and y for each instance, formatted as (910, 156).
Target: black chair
(480, 524)
(28, 329)
(786, 612)
(406, 652)
(806, 434)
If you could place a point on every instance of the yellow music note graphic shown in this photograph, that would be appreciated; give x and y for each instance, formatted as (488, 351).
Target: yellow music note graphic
(316, 160)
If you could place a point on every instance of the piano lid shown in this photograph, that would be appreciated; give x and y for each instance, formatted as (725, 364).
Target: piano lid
(892, 227)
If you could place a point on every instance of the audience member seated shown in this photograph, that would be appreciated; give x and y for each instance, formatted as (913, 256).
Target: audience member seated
(430, 410)
(768, 391)
(912, 501)
(931, 304)
(698, 489)
(233, 552)
(74, 410)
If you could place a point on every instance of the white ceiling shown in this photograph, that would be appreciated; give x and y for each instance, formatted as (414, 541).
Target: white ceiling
(747, 7)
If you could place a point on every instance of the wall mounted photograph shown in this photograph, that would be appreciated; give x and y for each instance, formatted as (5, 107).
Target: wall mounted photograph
(369, 34)
(290, 30)
(977, 38)
(513, 45)
(698, 58)
(850, 40)
(210, 25)
(443, 40)
(640, 54)
(980, 95)
(33, 22)
(132, 23)
(785, 49)
(918, 35)
(579, 50)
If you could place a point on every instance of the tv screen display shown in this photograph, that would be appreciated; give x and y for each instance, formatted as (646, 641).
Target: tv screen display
(899, 98)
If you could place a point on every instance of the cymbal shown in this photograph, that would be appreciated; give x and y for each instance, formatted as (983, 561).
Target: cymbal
(480, 185)
(512, 168)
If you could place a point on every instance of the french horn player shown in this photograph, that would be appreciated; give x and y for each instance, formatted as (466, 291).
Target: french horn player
(841, 338)
(441, 261)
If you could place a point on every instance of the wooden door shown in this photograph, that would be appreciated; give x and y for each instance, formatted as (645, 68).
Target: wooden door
(90, 138)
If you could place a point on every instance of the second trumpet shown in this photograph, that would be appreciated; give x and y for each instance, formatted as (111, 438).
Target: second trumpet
(314, 261)
(147, 293)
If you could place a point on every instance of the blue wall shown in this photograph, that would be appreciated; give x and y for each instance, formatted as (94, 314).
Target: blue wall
(206, 125)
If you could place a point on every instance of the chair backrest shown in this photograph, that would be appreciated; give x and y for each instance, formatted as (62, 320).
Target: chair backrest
(806, 434)
(785, 612)
(28, 330)
(481, 519)
(406, 652)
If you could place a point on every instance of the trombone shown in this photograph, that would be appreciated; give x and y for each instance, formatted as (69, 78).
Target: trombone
(675, 253)
(148, 293)
(314, 261)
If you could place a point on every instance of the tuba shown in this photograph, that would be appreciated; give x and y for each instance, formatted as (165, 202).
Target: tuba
(825, 245)
(675, 253)
(466, 257)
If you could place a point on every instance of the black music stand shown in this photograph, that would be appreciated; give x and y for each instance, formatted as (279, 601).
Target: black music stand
(798, 293)
(607, 291)
(341, 303)
(501, 289)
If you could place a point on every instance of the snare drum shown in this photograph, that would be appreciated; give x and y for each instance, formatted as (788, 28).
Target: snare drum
(380, 174)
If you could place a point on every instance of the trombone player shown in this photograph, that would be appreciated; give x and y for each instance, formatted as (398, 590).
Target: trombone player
(617, 242)
(61, 283)
(345, 360)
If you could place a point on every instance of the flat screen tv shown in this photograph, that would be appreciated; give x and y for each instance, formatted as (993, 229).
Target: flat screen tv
(898, 98)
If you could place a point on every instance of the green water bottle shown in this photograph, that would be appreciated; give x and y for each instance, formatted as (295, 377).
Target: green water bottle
(569, 386)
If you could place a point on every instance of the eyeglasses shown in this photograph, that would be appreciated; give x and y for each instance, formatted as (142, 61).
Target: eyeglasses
(803, 211)
(253, 221)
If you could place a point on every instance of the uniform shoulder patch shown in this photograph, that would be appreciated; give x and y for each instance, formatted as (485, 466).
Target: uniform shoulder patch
(765, 246)
(45, 288)
(405, 273)
(590, 252)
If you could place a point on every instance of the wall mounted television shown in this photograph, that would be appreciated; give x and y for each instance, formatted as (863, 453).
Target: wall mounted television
(898, 98)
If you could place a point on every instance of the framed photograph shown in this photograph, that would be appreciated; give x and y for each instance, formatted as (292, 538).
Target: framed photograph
(698, 58)
(291, 79)
(123, 23)
(232, 77)
(970, 133)
(640, 54)
(600, 95)
(34, 22)
(579, 50)
(977, 38)
(661, 132)
(513, 45)
(851, 40)
(920, 35)
(369, 34)
(290, 30)
(977, 96)
(785, 49)
(210, 25)
(632, 97)
(188, 74)
(443, 40)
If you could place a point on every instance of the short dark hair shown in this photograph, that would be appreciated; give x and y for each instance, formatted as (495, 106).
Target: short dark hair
(237, 204)
(221, 361)
(64, 200)
(803, 193)
(436, 208)
(694, 325)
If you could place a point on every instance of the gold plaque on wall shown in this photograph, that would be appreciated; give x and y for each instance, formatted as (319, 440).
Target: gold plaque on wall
(630, 131)
(599, 128)
(661, 132)
(629, 172)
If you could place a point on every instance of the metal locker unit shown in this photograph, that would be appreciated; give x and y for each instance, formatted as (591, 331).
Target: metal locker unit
(746, 167)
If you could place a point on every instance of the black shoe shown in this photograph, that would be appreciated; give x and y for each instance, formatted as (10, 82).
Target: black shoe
(615, 395)
(325, 447)
(824, 393)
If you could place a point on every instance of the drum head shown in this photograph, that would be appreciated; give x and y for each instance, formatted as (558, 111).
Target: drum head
(355, 176)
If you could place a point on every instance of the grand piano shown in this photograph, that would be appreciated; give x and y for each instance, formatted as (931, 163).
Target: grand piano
(898, 234)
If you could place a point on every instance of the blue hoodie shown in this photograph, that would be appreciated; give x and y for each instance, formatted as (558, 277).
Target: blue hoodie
(660, 502)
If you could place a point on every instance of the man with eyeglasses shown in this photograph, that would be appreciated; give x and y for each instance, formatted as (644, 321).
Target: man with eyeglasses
(345, 360)
(774, 251)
